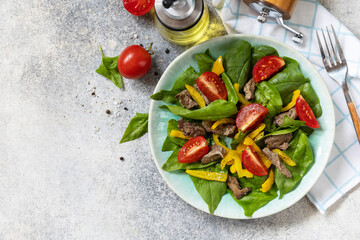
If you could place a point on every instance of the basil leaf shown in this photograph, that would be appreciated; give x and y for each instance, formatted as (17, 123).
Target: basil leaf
(166, 96)
(189, 77)
(237, 62)
(108, 68)
(299, 151)
(261, 51)
(216, 110)
(172, 164)
(210, 191)
(289, 79)
(232, 95)
(204, 61)
(137, 127)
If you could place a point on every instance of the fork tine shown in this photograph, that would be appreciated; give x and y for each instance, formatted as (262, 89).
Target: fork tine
(332, 46)
(328, 51)
(325, 61)
(341, 54)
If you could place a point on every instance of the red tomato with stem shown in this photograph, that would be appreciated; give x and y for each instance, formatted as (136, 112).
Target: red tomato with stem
(252, 162)
(138, 7)
(250, 116)
(305, 113)
(212, 86)
(193, 150)
(267, 67)
(134, 62)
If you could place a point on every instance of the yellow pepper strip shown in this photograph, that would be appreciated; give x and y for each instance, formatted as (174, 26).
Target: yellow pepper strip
(217, 142)
(285, 157)
(240, 171)
(223, 121)
(227, 160)
(214, 176)
(240, 96)
(234, 158)
(291, 104)
(233, 169)
(196, 96)
(179, 134)
(254, 133)
(240, 148)
(218, 67)
(269, 182)
(265, 160)
(259, 136)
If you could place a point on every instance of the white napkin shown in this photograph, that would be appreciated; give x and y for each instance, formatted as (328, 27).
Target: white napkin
(343, 169)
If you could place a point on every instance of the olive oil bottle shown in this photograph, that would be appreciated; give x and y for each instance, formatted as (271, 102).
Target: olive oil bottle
(182, 22)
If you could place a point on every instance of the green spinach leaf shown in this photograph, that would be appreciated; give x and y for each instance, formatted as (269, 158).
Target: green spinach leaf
(290, 123)
(172, 125)
(172, 164)
(232, 95)
(216, 110)
(235, 142)
(166, 96)
(108, 68)
(268, 95)
(168, 145)
(210, 191)
(237, 62)
(299, 151)
(262, 51)
(204, 61)
(189, 77)
(137, 127)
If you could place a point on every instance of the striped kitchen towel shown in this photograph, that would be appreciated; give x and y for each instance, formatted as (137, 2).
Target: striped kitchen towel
(343, 169)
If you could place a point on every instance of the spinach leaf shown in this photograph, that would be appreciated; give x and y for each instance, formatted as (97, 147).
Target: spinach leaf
(189, 77)
(291, 123)
(210, 191)
(172, 164)
(311, 98)
(108, 68)
(289, 79)
(168, 145)
(262, 51)
(204, 61)
(237, 62)
(300, 151)
(232, 95)
(281, 132)
(268, 95)
(172, 125)
(255, 199)
(166, 96)
(216, 110)
(137, 127)
(236, 142)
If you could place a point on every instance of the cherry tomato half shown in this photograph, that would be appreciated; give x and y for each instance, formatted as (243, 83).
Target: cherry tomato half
(134, 62)
(138, 7)
(305, 113)
(193, 150)
(212, 86)
(252, 162)
(250, 116)
(267, 67)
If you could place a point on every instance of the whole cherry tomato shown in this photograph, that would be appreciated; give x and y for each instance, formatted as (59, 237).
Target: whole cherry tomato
(305, 113)
(212, 86)
(252, 162)
(267, 67)
(138, 7)
(193, 150)
(134, 62)
(250, 116)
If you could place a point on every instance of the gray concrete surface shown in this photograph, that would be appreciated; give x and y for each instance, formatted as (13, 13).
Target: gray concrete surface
(61, 176)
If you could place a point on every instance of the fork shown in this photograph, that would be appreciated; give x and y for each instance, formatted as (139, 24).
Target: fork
(338, 71)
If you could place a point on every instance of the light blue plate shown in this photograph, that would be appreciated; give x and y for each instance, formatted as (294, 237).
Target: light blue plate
(321, 140)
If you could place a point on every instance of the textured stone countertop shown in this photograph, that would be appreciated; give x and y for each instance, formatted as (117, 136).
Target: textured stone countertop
(61, 176)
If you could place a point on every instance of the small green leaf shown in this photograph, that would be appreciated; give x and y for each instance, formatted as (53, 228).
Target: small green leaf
(108, 68)
(137, 127)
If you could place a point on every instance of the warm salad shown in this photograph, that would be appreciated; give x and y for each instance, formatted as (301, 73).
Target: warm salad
(243, 125)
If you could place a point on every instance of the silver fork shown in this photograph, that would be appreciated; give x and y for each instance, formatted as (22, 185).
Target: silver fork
(338, 71)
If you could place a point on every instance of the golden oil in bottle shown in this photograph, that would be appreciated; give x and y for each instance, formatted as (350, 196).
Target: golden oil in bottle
(182, 22)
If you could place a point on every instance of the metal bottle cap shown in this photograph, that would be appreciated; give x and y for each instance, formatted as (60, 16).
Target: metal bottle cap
(179, 15)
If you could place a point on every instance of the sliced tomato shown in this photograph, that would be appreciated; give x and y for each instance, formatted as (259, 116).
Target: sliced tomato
(212, 86)
(305, 113)
(267, 67)
(193, 150)
(138, 7)
(252, 162)
(250, 116)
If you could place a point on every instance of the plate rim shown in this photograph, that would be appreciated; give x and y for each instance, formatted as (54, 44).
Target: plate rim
(240, 37)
